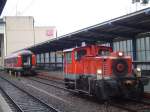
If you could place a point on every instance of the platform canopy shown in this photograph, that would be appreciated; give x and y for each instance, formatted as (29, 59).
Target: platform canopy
(2, 4)
(124, 27)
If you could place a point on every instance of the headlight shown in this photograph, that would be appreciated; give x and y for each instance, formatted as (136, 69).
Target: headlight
(99, 71)
(138, 72)
(138, 69)
(120, 54)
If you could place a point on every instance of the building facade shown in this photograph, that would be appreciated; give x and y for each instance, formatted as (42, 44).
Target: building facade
(19, 32)
(142, 53)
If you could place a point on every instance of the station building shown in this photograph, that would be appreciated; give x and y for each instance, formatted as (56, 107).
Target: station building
(129, 33)
(19, 32)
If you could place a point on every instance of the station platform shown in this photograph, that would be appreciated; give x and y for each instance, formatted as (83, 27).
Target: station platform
(147, 87)
(4, 107)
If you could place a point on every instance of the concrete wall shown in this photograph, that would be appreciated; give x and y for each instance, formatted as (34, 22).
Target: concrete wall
(1, 28)
(2, 53)
(19, 33)
(44, 33)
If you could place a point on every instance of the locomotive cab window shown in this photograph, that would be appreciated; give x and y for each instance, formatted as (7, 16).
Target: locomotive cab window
(103, 52)
(79, 54)
(68, 57)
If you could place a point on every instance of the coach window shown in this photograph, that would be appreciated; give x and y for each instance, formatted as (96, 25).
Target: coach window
(68, 57)
(79, 54)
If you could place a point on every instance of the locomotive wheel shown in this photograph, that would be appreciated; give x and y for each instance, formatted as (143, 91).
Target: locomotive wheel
(138, 91)
(68, 84)
(100, 92)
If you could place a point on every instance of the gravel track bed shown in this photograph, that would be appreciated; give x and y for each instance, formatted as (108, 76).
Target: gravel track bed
(132, 105)
(75, 102)
(25, 102)
(138, 106)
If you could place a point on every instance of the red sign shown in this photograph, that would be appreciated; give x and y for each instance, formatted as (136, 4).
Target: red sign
(50, 32)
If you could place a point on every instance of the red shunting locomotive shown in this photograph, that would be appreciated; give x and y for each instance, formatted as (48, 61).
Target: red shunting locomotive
(98, 71)
(22, 62)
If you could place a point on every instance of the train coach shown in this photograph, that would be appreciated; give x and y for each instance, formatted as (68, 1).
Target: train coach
(98, 71)
(22, 62)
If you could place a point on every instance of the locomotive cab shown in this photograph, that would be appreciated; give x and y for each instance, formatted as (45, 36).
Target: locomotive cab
(97, 70)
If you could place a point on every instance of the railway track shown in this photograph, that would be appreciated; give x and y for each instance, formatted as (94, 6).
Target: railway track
(130, 105)
(22, 100)
(44, 77)
(13, 106)
(46, 82)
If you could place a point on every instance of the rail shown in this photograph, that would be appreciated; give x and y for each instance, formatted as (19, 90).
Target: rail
(29, 94)
(11, 100)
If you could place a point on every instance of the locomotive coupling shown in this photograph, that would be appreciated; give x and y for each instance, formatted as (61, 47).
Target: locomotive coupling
(129, 82)
(137, 72)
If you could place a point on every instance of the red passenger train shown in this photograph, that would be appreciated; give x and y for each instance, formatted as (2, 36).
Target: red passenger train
(97, 70)
(22, 62)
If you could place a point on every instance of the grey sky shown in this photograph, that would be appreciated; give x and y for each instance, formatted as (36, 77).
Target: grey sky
(69, 15)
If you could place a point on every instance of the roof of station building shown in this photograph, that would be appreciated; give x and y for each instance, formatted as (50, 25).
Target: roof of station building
(2, 4)
(124, 27)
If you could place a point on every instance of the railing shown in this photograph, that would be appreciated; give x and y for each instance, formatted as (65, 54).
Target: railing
(58, 66)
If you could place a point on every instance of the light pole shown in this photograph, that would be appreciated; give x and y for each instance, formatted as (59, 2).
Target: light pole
(144, 2)
(33, 33)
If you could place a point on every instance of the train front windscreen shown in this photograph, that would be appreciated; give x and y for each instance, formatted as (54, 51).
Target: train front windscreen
(26, 61)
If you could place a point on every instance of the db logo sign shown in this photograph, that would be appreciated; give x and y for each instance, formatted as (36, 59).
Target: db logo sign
(50, 32)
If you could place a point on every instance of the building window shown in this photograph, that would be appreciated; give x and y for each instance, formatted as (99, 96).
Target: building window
(143, 51)
(125, 46)
(42, 58)
(52, 57)
(46, 57)
(59, 57)
(38, 58)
